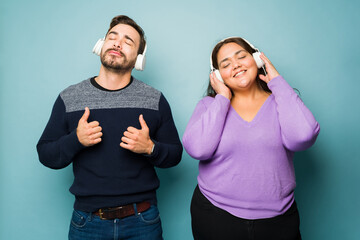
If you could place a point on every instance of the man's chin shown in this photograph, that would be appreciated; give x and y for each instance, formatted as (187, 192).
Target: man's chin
(113, 64)
(117, 67)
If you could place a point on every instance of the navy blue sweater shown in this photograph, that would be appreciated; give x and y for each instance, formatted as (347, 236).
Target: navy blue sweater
(106, 175)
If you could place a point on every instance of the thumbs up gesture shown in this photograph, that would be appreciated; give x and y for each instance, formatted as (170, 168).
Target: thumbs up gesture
(88, 133)
(137, 140)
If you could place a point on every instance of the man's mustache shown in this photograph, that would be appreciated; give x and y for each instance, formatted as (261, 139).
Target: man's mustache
(115, 50)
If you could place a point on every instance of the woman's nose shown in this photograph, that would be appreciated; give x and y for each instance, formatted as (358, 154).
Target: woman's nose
(237, 64)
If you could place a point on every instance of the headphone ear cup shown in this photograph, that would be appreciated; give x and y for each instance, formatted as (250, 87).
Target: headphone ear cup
(140, 62)
(218, 75)
(258, 60)
(98, 46)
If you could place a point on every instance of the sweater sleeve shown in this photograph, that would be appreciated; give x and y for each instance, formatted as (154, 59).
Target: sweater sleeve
(299, 129)
(204, 130)
(168, 149)
(57, 146)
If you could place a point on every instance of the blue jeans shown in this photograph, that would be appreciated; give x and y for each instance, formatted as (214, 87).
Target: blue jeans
(145, 225)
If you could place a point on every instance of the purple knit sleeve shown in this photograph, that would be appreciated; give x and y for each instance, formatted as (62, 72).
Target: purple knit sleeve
(203, 132)
(299, 129)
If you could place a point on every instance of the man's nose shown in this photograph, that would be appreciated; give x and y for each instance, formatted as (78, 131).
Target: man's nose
(118, 44)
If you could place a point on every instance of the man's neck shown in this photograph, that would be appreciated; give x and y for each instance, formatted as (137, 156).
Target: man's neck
(113, 80)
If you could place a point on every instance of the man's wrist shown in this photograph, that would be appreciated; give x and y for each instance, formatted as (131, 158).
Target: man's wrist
(152, 148)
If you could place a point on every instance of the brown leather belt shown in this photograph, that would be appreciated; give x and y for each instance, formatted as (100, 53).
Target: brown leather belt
(121, 211)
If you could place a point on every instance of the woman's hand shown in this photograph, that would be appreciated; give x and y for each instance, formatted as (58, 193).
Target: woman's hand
(219, 86)
(270, 69)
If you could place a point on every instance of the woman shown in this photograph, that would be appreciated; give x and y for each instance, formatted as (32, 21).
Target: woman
(245, 133)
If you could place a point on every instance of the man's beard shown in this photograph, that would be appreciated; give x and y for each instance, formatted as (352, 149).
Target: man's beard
(111, 63)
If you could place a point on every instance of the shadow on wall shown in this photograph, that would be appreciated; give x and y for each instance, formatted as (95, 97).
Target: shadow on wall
(178, 183)
(308, 177)
(311, 187)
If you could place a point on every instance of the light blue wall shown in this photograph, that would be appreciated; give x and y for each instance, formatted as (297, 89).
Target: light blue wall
(46, 45)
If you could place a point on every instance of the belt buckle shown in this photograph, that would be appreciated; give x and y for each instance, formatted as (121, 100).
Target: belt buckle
(101, 214)
(104, 211)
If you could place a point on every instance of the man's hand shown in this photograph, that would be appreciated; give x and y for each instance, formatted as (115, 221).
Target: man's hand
(137, 140)
(88, 133)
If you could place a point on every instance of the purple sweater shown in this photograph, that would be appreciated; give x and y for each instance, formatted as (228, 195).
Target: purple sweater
(246, 168)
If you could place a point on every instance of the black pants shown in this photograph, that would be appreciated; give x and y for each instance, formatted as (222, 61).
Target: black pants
(212, 223)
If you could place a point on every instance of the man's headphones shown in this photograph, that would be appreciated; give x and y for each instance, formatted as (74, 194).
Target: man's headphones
(256, 56)
(140, 60)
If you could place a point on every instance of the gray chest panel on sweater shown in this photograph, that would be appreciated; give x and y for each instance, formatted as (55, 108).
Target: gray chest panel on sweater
(84, 94)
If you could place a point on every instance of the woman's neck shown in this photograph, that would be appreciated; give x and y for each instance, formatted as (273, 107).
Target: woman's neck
(250, 94)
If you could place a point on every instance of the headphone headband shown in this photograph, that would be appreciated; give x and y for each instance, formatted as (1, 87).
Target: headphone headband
(145, 48)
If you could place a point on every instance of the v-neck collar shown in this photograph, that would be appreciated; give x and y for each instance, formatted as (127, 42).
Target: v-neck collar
(258, 114)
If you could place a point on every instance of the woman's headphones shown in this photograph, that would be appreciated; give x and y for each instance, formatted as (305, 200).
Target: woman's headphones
(256, 56)
(140, 60)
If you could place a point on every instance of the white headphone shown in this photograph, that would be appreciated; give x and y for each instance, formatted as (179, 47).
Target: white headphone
(256, 55)
(140, 60)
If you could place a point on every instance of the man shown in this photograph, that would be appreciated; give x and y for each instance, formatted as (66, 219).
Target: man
(114, 144)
